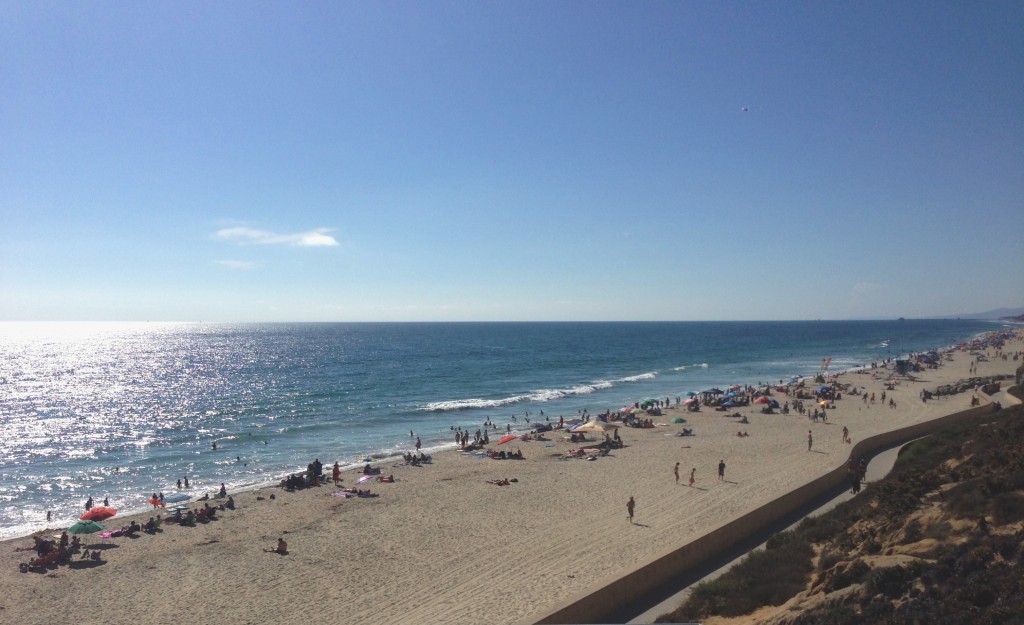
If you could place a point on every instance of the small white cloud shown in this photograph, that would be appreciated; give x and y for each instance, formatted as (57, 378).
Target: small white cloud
(237, 264)
(242, 235)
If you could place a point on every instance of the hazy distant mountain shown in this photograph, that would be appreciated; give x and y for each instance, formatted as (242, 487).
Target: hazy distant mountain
(998, 313)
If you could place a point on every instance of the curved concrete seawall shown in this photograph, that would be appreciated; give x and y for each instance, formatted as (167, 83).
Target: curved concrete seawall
(610, 596)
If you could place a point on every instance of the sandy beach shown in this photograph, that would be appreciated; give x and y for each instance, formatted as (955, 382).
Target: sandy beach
(442, 545)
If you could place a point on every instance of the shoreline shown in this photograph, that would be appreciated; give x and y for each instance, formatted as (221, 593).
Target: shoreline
(152, 463)
(442, 544)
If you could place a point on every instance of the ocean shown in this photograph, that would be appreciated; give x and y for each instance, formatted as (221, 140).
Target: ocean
(123, 410)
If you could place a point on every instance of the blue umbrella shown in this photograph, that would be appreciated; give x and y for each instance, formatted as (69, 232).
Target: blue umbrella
(730, 404)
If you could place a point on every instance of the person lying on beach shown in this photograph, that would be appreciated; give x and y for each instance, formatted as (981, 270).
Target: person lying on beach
(503, 482)
(43, 561)
(281, 548)
(390, 479)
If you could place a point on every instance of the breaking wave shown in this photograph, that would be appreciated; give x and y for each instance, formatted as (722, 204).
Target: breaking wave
(537, 396)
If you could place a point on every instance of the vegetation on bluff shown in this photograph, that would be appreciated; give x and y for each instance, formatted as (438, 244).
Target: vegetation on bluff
(938, 540)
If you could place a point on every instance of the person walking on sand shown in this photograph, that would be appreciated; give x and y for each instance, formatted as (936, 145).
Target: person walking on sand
(693, 475)
(676, 471)
(810, 440)
(721, 470)
(846, 434)
(630, 507)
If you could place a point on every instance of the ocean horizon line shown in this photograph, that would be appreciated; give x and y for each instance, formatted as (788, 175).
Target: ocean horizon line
(502, 321)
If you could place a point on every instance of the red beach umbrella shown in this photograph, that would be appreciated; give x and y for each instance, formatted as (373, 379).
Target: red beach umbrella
(762, 400)
(507, 438)
(99, 513)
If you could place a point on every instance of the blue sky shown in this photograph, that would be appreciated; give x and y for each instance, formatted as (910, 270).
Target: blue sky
(364, 161)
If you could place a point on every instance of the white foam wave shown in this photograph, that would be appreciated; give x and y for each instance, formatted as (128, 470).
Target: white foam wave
(546, 394)
(699, 365)
(637, 378)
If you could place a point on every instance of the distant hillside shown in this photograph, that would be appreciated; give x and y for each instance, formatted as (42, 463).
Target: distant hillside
(998, 313)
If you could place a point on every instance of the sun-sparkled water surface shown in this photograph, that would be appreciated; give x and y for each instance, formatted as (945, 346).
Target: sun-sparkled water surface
(125, 409)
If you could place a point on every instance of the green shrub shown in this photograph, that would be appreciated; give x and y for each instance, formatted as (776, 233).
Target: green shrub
(852, 575)
(892, 581)
(1008, 508)
(768, 577)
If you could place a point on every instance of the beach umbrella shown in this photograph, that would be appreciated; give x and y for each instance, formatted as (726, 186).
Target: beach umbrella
(690, 393)
(506, 438)
(773, 404)
(692, 400)
(762, 400)
(678, 420)
(731, 394)
(85, 527)
(596, 426)
(730, 404)
(99, 513)
(824, 389)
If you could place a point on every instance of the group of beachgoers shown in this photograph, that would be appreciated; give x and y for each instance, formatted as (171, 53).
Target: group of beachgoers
(62, 549)
(827, 392)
